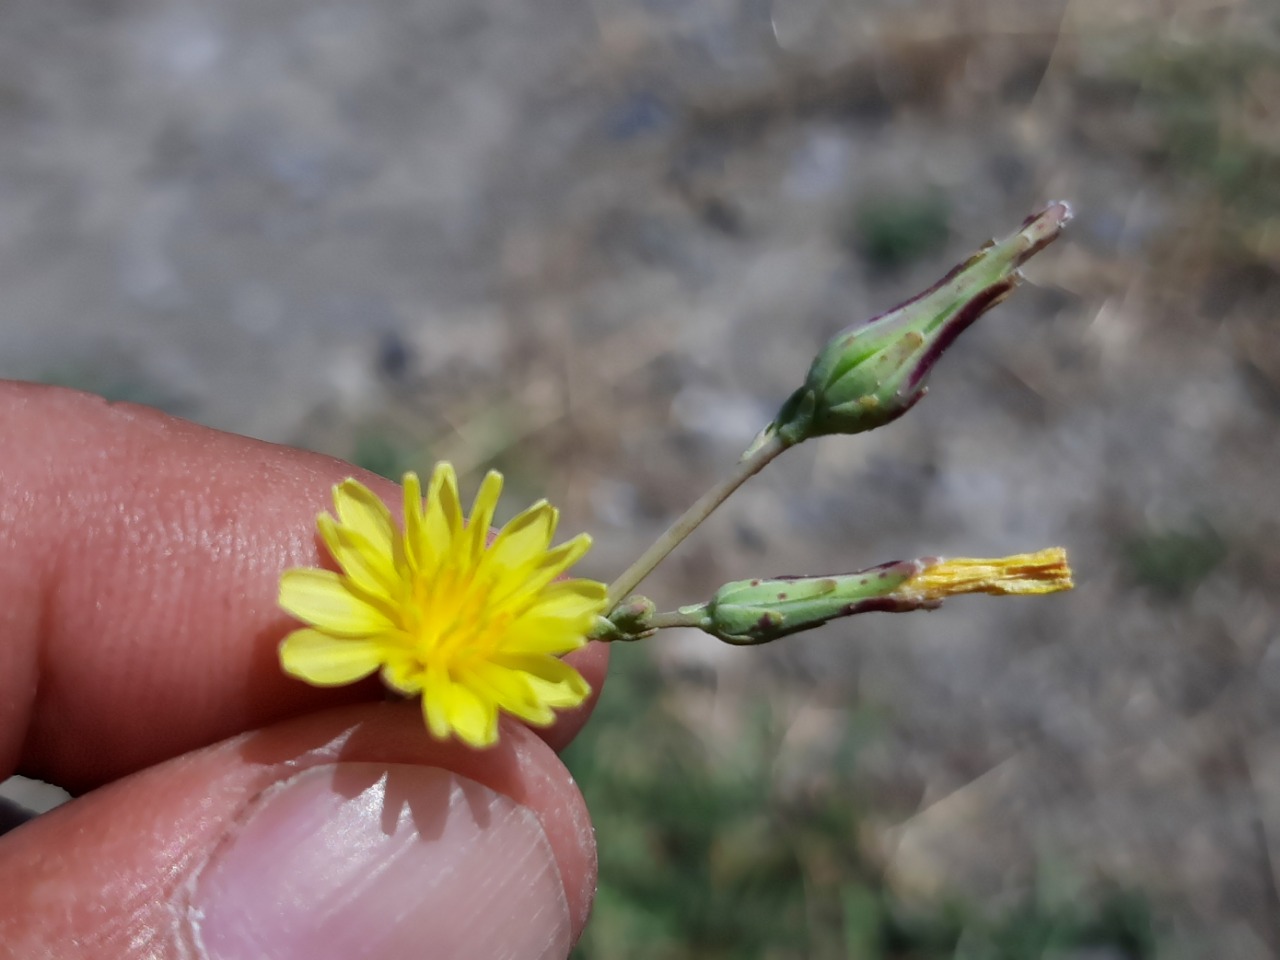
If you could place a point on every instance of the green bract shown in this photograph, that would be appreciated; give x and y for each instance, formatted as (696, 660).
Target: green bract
(873, 373)
(749, 612)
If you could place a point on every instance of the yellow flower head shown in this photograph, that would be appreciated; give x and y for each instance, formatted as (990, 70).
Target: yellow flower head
(472, 628)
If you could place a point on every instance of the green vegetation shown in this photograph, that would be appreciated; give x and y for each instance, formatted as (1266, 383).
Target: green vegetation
(1172, 563)
(1210, 100)
(1211, 107)
(379, 453)
(892, 231)
(703, 858)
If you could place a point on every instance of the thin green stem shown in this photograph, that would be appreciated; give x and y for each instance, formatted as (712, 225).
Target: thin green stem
(747, 467)
(677, 618)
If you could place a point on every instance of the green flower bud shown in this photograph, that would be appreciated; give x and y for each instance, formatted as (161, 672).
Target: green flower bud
(629, 620)
(873, 373)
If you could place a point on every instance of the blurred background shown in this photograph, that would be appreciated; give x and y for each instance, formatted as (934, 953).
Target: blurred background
(594, 244)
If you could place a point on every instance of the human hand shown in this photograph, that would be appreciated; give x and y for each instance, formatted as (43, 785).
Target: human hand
(236, 813)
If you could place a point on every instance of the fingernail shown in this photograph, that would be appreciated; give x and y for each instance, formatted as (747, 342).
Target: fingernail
(374, 861)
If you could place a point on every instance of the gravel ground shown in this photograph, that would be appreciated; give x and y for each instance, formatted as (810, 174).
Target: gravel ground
(596, 243)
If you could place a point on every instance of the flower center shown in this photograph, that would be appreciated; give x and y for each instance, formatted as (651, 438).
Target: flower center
(456, 621)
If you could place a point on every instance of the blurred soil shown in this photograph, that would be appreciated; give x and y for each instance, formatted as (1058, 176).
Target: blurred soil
(595, 245)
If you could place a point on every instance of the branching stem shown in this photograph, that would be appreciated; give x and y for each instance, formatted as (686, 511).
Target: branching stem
(747, 467)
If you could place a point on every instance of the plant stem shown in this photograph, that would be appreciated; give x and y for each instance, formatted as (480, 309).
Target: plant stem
(746, 468)
(677, 618)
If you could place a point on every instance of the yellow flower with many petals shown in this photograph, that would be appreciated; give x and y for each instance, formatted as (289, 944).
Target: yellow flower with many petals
(473, 627)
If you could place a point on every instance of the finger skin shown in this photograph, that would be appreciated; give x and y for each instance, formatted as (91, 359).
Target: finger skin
(107, 875)
(139, 564)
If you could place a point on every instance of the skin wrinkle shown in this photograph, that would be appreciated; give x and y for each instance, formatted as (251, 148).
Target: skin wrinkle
(121, 908)
(579, 826)
(585, 837)
(27, 679)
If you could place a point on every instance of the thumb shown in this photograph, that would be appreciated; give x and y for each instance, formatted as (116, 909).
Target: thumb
(345, 835)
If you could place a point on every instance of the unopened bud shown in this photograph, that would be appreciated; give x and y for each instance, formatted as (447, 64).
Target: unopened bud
(875, 372)
(629, 620)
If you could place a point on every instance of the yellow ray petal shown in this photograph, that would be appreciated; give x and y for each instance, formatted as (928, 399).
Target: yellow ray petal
(402, 672)
(327, 661)
(324, 600)
(413, 523)
(522, 541)
(570, 600)
(520, 590)
(442, 520)
(550, 635)
(509, 690)
(556, 561)
(473, 719)
(361, 510)
(435, 702)
(482, 515)
(554, 682)
(369, 568)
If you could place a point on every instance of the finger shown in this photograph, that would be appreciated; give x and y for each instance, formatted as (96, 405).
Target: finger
(140, 557)
(343, 834)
